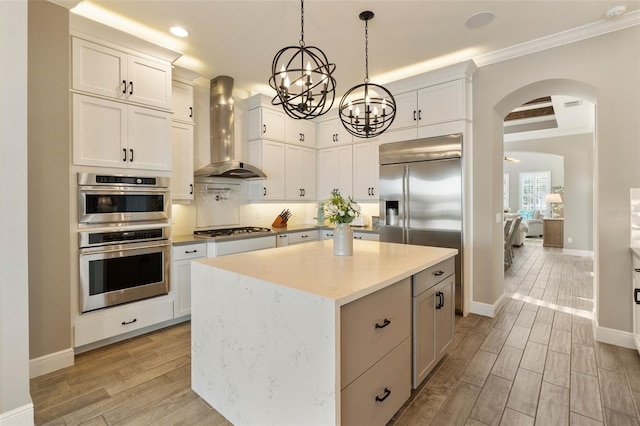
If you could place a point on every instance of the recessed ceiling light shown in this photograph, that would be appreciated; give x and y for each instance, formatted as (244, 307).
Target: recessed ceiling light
(179, 31)
(615, 11)
(479, 19)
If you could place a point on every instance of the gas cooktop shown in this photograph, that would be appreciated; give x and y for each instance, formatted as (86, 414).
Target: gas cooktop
(224, 232)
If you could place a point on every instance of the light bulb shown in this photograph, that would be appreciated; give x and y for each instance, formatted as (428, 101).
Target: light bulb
(283, 72)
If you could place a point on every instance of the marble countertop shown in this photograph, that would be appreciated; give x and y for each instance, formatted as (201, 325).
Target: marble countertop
(314, 269)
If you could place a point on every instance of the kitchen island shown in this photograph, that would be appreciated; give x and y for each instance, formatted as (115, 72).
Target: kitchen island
(276, 335)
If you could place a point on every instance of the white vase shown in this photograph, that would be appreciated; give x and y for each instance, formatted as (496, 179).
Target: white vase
(343, 240)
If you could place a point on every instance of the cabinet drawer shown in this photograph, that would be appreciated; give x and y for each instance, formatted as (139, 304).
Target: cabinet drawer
(371, 327)
(189, 251)
(426, 279)
(303, 237)
(122, 319)
(392, 376)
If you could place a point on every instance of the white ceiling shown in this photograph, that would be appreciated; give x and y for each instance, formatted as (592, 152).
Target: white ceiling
(239, 38)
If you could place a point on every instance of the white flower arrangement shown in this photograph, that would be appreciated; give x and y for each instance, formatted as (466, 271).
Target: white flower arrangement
(340, 210)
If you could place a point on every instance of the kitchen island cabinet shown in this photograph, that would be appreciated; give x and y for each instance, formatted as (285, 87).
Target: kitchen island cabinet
(270, 332)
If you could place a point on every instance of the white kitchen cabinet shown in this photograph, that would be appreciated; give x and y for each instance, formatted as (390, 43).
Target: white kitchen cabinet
(119, 75)
(266, 123)
(300, 173)
(366, 171)
(430, 105)
(434, 317)
(370, 236)
(182, 256)
(182, 102)
(332, 133)
(268, 156)
(106, 323)
(335, 171)
(113, 134)
(298, 237)
(182, 161)
(636, 300)
(300, 132)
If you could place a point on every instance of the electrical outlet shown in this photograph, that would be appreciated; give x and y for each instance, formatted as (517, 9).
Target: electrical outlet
(569, 240)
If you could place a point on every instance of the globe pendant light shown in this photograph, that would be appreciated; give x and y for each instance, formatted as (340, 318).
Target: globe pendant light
(367, 110)
(302, 78)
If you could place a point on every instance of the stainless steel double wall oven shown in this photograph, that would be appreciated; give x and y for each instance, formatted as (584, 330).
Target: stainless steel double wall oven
(124, 238)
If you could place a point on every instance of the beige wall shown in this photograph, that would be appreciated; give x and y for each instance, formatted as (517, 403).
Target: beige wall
(604, 70)
(49, 190)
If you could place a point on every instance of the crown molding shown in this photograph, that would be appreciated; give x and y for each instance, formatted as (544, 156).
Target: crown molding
(559, 39)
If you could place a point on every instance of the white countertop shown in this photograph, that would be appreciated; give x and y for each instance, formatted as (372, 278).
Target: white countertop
(313, 268)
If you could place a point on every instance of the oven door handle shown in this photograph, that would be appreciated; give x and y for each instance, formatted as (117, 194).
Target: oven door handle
(111, 248)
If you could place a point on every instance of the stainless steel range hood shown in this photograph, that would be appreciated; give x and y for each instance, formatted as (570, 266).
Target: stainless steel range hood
(222, 144)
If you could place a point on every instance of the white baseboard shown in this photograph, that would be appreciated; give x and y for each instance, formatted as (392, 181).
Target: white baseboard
(579, 253)
(21, 416)
(486, 309)
(51, 362)
(614, 337)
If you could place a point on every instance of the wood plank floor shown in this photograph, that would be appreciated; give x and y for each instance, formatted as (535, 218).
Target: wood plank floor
(535, 363)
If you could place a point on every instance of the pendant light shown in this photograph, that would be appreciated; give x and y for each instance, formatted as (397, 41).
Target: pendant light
(367, 110)
(302, 78)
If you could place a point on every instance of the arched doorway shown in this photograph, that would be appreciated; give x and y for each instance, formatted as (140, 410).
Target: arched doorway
(580, 181)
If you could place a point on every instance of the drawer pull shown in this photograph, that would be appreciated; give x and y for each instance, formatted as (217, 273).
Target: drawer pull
(190, 251)
(635, 295)
(129, 322)
(387, 392)
(440, 296)
(438, 273)
(385, 323)
(637, 269)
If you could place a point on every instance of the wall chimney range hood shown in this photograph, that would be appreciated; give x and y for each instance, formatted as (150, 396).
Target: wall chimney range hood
(222, 143)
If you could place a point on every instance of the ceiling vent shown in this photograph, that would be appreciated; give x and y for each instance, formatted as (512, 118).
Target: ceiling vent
(571, 104)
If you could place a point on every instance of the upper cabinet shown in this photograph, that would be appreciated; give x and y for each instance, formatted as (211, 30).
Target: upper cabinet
(300, 173)
(300, 132)
(332, 133)
(430, 105)
(104, 71)
(266, 123)
(182, 102)
(366, 165)
(113, 134)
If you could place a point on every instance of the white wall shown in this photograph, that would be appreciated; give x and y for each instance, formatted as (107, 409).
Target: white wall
(15, 401)
(603, 70)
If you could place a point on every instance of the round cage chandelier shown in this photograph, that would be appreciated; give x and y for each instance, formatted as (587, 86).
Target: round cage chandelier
(368, 109)
(303, 79)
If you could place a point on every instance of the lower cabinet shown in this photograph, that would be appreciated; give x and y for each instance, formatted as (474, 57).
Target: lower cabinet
(433, 317)
(326, 234)
(291, 238)
(636, 301)
(375, 350)
(95, 326)
(181, 275)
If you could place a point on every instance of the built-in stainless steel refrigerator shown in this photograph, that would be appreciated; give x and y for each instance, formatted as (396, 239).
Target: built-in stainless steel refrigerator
(421, 196)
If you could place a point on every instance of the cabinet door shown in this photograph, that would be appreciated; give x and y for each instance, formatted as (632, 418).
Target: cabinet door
(424, 354)
(445, 316)
(182, 102)
(99, 132)
(636, 306)
(335, 171)
(269, 157)
(300, 132)
(181, 281)
(331, 133)
(300, 172)
(265, 123)
(149, 82)
(441, 103)
(365, 171)
(98, 69)
(181, 161)
(406, 111)
(149, 136)
(308, 178)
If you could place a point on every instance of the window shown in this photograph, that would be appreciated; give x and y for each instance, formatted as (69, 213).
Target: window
(533, 188)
